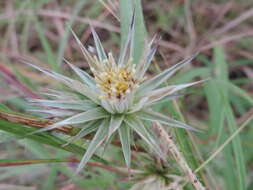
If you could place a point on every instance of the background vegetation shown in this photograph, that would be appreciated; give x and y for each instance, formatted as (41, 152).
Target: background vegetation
(37, 31)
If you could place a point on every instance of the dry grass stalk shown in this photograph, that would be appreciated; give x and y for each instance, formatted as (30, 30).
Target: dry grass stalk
(172, 148)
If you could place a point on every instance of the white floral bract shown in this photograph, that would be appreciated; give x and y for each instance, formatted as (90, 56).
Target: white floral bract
(118, 98)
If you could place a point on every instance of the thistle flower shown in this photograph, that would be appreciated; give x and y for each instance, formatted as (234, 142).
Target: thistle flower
(117, 98)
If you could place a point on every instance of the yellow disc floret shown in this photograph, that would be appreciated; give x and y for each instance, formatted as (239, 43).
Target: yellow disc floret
(115, 80)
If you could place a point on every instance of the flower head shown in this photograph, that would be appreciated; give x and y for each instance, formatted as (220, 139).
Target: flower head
(117, 98)
(115, 81)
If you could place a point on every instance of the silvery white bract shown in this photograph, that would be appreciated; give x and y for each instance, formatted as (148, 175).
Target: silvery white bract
(117, 98)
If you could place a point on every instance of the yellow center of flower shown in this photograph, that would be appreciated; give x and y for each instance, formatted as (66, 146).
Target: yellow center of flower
(114, 80)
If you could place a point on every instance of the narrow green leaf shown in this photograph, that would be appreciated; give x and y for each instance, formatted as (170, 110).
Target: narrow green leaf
(124, 134)
(90, 60)
(214, 102)
(165, 99)
(99, 47)
(127, 7)
(63, 104)
(4, 107)
(237, 146)
(73, 84)
(150, 57)
(238, 91)
(53, 112)
(93, 114)
(115, 123)
(155, 116)
(154, 82)
(126, 14)
(52, 74)
(20, 162)
(51, 178)
(214, 154)
(46, 46)
(136, 124)
(139, 105)
(160, 93)
(83, 75)
(64, 40)
(106, 104)
(146, 59)
(59, 95)
(22, 131)
(222, 76)
(124, 54)
(97, 140)
(87, 128)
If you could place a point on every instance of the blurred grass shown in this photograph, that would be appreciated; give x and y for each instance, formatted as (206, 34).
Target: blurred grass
(218, 108)
(222, 75)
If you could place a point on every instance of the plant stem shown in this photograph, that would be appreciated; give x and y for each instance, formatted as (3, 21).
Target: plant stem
(172, 148)
(9, 163)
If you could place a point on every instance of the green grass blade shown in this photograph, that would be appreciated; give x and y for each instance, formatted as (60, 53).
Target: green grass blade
(246, 123)
(184, 139)
(20, 162)
(137, 125)
(63, 42)
(51, 178)
(46, 46)
(97, 140)
(4, 107)
(238, 91)
(44, 138)
(238, 150)
(222, 75)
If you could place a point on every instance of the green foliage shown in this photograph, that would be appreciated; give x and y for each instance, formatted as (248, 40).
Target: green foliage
(227, 99)
(43, 138)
